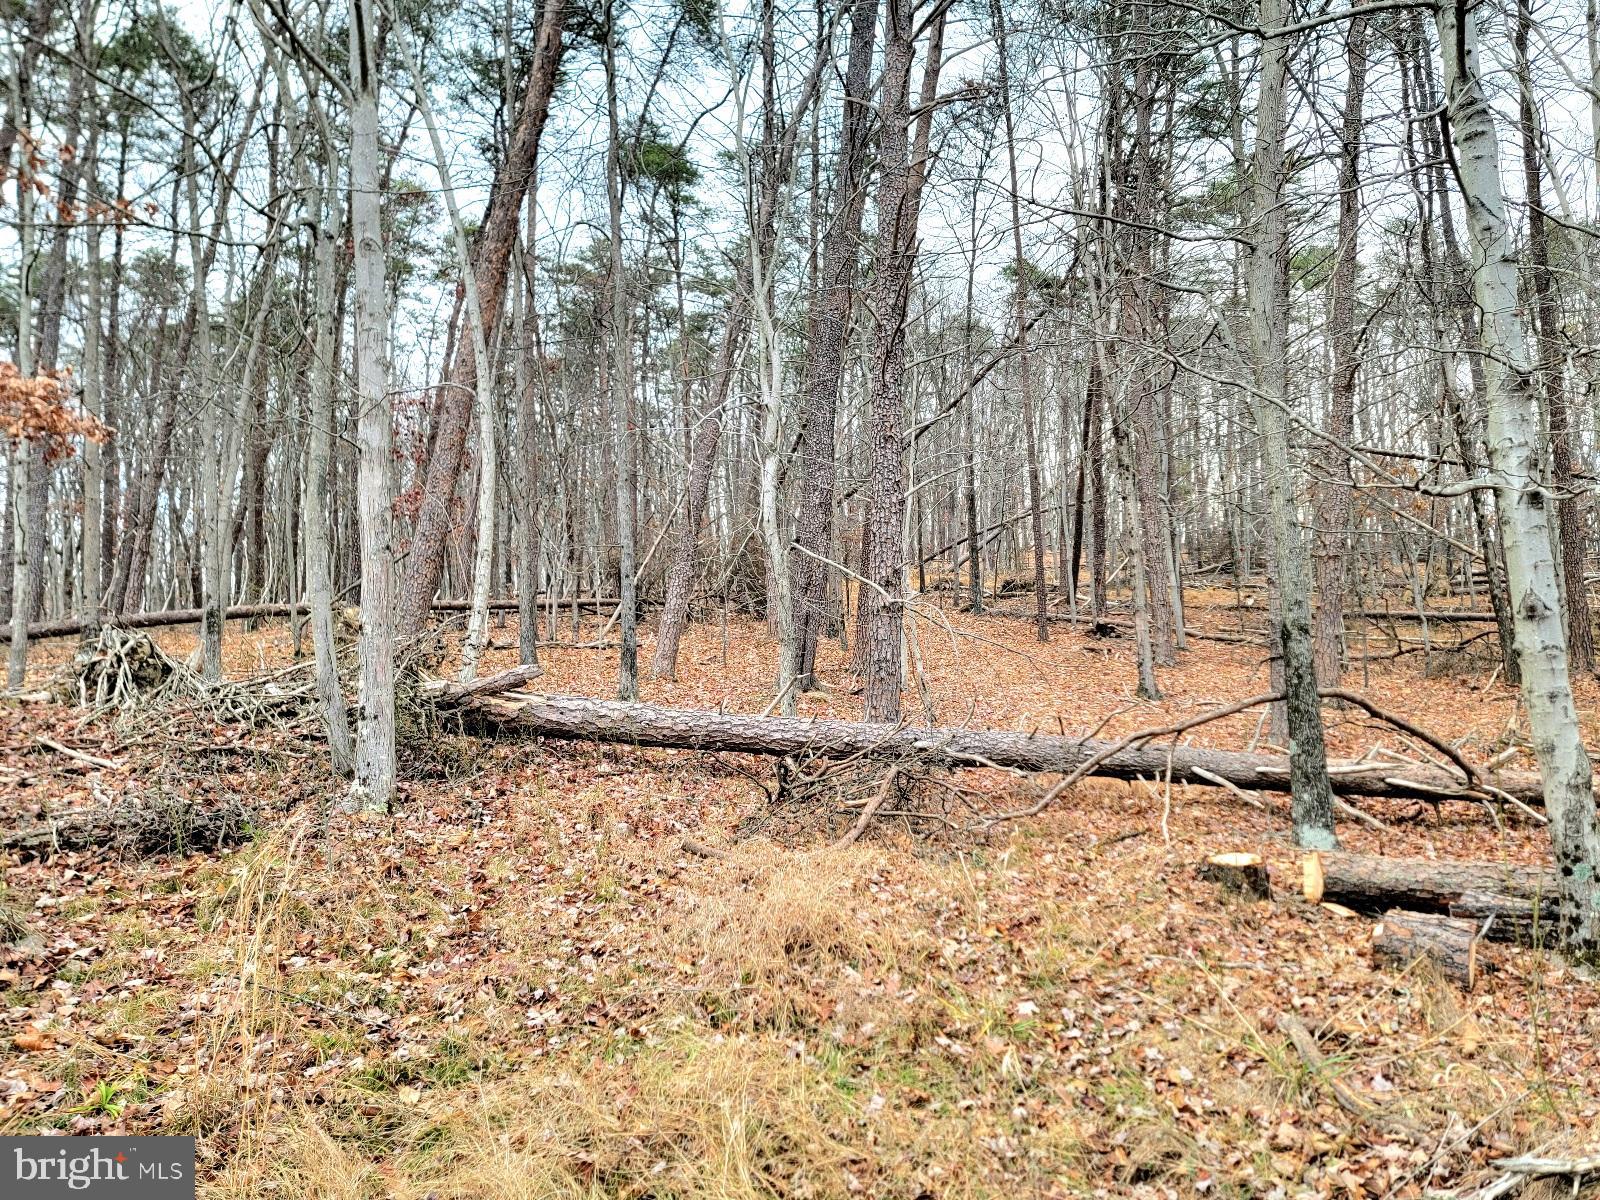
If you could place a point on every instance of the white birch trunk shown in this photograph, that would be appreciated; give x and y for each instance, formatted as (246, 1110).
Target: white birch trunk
(1515, 469)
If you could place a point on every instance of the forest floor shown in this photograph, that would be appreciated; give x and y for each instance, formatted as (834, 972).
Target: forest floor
(523, 985)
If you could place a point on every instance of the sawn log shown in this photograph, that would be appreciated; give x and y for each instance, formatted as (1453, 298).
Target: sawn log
(581, 718)
(1508, 903)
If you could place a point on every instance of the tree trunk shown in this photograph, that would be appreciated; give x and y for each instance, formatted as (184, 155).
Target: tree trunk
(581, 718)
(1569, 514)
(490, 258)
(373, 788)
(827, 326)
(621, 397)
(319, 457)
(1333, 493)
(882, 599)
(1267, 283)
(1448, 944)
(1373, 883)
(1514, 465)
(1024, 365)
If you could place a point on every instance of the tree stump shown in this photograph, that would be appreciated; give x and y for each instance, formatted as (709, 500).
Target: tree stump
(1449, 943)
(1242, 874)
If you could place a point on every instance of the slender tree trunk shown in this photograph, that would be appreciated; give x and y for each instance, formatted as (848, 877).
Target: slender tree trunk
(617, 326)
(530, 385)
(1267, 283)
(1570, 507)
(702, 463)
(490, 259)
(827, 327)
(319, 459)
(373, 788)
(1333, 495)
(1024, 363)
(23, 453)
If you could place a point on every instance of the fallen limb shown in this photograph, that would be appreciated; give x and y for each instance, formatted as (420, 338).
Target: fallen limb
(1305, 1043)
(1530, 1165)
(72, 626)
(162, 824)
(582, 718)
(485, 685)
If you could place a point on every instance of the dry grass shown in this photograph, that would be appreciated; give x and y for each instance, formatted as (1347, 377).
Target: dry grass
(13, 919)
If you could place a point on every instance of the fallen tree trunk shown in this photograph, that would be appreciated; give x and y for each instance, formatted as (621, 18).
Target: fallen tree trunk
(1504, 903)
(72, 626)
(1375, 883)
(581, 718)
(152, 620)
(159, 825)
(1448, 944)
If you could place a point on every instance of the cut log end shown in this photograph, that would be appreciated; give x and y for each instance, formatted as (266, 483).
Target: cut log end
(1449, 944)
(1313, 881)
(1238, 873)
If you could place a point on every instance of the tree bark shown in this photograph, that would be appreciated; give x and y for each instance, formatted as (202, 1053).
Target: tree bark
(373, 787)
(580, 718)
(1019, 285)
(490, 259)
(1333, 495)
(1570, 507)
(827, 326)
(883, 598)
(1267, 282)
(1520, 494)
(1373, 883)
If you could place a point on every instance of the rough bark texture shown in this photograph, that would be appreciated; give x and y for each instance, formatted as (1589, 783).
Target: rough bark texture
(1374, 883)
(827, 326)
(584, 719)
(1333, 497)
(1450, 945)
(882, 602)
(1267, 285)
(490, 260)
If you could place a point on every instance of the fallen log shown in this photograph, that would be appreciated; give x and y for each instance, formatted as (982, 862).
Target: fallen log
(72, 626)
(1449, 944)
(159, 825)
(1514, 919)
(581, 718)
(1504, 903)
(1375, 883)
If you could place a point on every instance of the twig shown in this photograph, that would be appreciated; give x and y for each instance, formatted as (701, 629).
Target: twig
(1539, 1167)
(867, 813)
(1317, 1063)
(76, 755)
